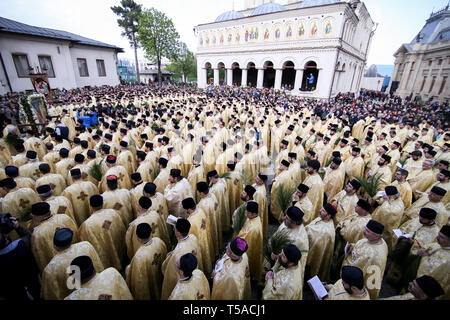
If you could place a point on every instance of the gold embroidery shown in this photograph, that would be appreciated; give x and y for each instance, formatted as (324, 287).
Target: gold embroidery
(82, 196)
(106, 224)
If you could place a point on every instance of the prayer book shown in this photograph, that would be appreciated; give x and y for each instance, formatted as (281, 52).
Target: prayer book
(318, 288)
(399, 234)
(171, 220)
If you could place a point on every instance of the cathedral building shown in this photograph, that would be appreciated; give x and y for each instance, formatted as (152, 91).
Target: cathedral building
(317, 48)
(422, 67)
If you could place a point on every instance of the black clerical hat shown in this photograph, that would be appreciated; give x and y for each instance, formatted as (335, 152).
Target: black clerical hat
(353, 276)
(150, 188)
(63, 237)
(183, 225)
(295, 214)
(292, 253)
(188, 203)
(96, 201)
(375, 227)
(428, 213)
(40, 209)
(143, 230)
(145, 202)
(86, 266)
(252, 206)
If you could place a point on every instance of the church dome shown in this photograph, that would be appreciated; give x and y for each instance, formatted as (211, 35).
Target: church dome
(267, 8)
(316, 3)
(229, 15)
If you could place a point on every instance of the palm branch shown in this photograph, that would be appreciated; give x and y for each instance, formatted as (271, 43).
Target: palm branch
(240, 218)
(11, 140)
(246, 177)
(96, 171)
(328, 162)
(402, 162)
(337, 141)
(275, 244)
(371, 184)
(284, 197)
(25, 214)
(225, 175)
(155, 173)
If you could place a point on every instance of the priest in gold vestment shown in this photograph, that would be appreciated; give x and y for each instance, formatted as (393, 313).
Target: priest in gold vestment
(231, 275)
(321, 236)
(105, 230)
(287, 283)
(143, 274)
(192, 283)
(370, 255)
(55, 275)
(187, 243)
(42, 236)
(251, 232)
(106, 285)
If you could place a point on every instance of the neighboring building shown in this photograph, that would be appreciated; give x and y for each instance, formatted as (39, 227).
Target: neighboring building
(151, 75)
(71, 60)
(422, 67)
(377, 77)
(277, 46)
(126, 71)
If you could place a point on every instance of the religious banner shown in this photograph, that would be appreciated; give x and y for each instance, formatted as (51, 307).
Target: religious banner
(40, 84)
(288, 33)
(301, 30)
(32, 109)
(314, 28)
(328, 26)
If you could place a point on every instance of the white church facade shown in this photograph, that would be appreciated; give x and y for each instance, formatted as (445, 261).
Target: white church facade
(71, 61)
(268, 45)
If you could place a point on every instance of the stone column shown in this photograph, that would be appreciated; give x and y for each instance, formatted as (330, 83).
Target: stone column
(244, 78)
(229, 77)
(278, 77)
(202, 75)
(260, 79)
(298, 78)
(216, 76)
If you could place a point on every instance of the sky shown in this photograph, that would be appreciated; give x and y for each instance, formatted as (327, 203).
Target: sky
(399, 21)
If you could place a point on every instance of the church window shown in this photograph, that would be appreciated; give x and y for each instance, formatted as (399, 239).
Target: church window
(46, 65)
(82, 67)
(21, 64)
(101, 68)
(432, 84)
(423, 83)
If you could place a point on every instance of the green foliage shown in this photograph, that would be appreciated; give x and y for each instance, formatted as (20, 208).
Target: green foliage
(240, 218)
(155, 173)
(246, 177)
(284, 197)
(96, 171)
(225, 175)
(185, 64)
(158, 37)
(11, 140)
(371, 184)
(129, 12)
(24, 215)
(275, 244)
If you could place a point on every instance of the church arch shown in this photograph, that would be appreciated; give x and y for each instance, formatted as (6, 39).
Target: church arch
(252, 74)
(269, 74)
(237, 74)
(288, 77)
(310, 76)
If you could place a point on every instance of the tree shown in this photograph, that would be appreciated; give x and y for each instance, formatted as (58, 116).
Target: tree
(158, 37)
(185, 65)
(129, 13)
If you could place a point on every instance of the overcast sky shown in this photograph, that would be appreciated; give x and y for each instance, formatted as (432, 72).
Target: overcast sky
(399, 20)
